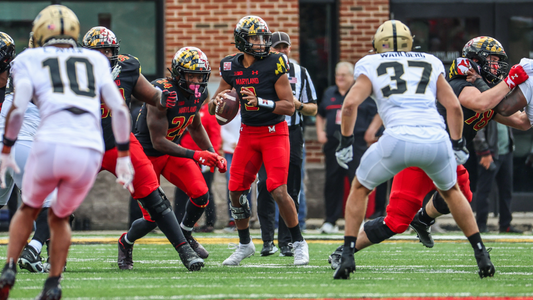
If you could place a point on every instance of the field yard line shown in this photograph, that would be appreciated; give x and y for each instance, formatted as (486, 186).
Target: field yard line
(313, 239)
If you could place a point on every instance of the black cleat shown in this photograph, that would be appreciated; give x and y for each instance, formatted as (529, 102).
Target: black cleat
(125, 254)
(189, 258)
(286, 250)
(486, 268)
(346, 267)
(335, 257)
(7, 279)
(51, 290)
(268, 248)
(423, 230)
(31, 260)
(197, 247)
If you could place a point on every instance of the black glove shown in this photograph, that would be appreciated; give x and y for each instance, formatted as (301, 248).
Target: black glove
(344, 152)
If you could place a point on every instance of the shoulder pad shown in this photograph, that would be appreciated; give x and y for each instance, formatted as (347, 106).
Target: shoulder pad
(129, 63)
(282, 62)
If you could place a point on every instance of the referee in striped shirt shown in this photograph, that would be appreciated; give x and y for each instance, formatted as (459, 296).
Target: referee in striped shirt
(304, 96)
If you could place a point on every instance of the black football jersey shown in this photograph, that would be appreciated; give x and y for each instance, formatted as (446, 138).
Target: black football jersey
(473, 121)
(260, 78)
(126, 80)
(179, 117)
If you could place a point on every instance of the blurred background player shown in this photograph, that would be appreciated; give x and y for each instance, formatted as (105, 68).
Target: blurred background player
(266, 98)
(127, 69)
(305, 103)
(159, 131)
(68, 146)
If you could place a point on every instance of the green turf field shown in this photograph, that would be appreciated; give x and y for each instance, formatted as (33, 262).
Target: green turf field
(392, 269)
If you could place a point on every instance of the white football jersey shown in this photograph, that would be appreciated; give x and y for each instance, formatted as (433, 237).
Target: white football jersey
(527, 86)
(29, 125)
(404, 86)
(67, 84)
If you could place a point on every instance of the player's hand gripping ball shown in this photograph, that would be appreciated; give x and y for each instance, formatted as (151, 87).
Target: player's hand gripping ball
(228, 109)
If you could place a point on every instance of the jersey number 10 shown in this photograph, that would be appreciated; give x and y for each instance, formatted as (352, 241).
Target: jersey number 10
(55, 75)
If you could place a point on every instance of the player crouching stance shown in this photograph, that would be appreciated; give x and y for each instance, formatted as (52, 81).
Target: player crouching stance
(68, 146)
(404, 85)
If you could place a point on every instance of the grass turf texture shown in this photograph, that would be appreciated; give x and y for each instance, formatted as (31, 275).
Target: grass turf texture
(394, 269)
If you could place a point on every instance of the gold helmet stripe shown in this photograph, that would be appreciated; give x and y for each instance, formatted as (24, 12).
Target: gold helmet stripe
(62, 22)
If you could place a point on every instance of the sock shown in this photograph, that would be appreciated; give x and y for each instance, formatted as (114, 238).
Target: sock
(139, 228)
(424, 217)
(355, 250)
(296, 233)
(10, 265)
(349, 245)
(193, 212)
(172, 230)
(476, 242)
(244, 236)
(42, 229)
(51, 282)
(187, 231)
(38, 246)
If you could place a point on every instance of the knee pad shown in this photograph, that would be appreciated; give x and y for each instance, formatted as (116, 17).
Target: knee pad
(201, 201)
(243, 212)
(377, 231)
(155, 205)
(440, 204)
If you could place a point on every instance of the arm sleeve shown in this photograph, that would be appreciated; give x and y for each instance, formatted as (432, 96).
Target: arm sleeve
(24, 88)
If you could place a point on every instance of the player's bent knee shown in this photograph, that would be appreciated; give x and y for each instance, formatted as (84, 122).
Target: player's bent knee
(377, 231)
(201, 201)
(440, 204)
(156, 205)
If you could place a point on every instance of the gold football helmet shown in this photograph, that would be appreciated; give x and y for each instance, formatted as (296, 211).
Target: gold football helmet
(56, 24)
(392, 35)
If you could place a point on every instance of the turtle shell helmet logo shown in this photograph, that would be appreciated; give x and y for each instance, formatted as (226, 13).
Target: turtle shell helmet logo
(253, 27)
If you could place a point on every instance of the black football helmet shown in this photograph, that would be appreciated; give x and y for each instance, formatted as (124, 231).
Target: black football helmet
(100, 37)
(253, 26)
(7, 51)
(480, 48)
(191, 60)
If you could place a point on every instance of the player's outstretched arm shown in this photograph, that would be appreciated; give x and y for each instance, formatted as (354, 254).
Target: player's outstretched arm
(361, 90)
(454, 112)
(223, 87)
(144, 91)
(518, 120)
(512, 103)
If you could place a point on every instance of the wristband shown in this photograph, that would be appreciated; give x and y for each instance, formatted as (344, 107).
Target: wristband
(189, 153)
(123, 146)
(458, 144)
(481, 85)
(211, 149)
(266, 103)
(301, 107)
(8, 142)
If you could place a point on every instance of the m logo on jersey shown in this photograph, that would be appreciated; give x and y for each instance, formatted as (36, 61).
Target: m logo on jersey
(227, 66)
(271, 128)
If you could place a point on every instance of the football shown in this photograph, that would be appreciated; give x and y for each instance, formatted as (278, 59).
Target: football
(228, 109)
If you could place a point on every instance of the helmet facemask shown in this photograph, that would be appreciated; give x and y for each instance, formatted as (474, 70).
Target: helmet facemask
(7, 51)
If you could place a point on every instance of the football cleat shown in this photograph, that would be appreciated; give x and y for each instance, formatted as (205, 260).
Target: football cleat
(7, 279)
(301, 253)
(423, 230)
(189, 258)
(51, 291)
(486, 268)
(197, 247)
(335, 257)
(346, 267)
(31, 260)
(125, 255)
(268, 248)
(286, 250)
(243, 251)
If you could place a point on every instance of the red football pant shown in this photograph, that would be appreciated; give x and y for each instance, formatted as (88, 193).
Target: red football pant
(259, 145)
(145, 181)
(409, 188)
(180, 171)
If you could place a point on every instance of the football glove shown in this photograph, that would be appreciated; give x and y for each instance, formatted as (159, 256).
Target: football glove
(168, 99)
(125, 172)
(460, 151)
(7, 161)
(516, 76)
(344, 152)
(206, 158)
(222, 164)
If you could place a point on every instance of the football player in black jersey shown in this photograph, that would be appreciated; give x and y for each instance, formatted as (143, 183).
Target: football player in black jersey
(7, 53)
(126, 71)
(261, 81)
(159, 131)
(487, 55)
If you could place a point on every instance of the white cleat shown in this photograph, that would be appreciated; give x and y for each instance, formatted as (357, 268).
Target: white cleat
(301, 253)
(243, 251)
